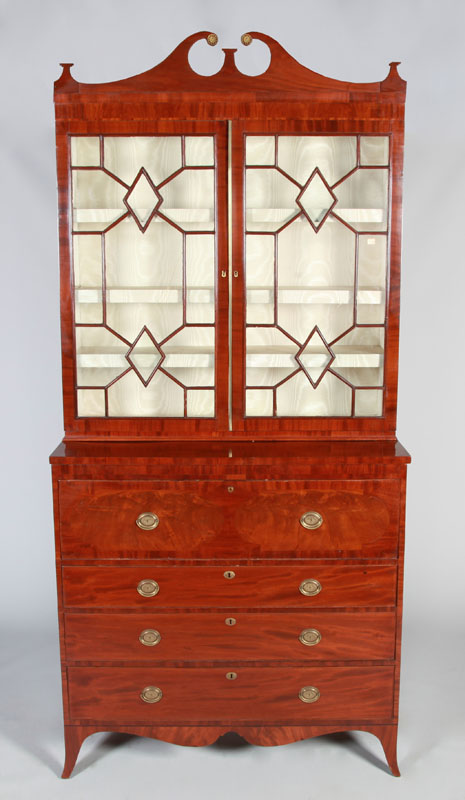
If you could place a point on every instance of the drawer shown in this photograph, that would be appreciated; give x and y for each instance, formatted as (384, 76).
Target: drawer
(217, 636)
(339, 585)
(219, 519)
(257, 694)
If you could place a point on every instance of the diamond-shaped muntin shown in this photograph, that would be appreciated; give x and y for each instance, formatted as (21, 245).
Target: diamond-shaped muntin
(317, 331)
(158, 348)
(143, 172)
(315, 172)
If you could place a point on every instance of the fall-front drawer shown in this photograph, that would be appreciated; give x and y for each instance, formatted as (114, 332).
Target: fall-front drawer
(151, 695)
(214, 519)
(152, 587)
(217, 636)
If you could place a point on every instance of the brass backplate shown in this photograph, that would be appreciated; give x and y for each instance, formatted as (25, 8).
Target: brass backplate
(310, 637)
(150, 637)
(148, 587)
(147, 521)
(311, 520)
(310, 587)
(151, 694)
(309, 694)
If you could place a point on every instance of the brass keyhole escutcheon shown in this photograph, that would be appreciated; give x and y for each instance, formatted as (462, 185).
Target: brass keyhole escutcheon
(309, 694)
(151, 694)
(150, 637)
(230, 488)
(147, 521)
(231, 676)
(148, 587)
(310, 637)
(229, 574)
(310, 587)
(311, 520)
(230, 621)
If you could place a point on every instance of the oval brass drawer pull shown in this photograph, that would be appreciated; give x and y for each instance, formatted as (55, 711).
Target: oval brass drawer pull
(310, 637)
(311, 520)
(148, 587)
(309, 694)
(151, 694)
(147, 521)
(150, 637)
(310, 587)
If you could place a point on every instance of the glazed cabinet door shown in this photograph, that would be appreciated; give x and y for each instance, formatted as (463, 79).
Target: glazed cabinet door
(148, 244)
(311, 307)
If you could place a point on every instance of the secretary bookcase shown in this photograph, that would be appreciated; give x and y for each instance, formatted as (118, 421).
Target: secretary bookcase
(229, 495)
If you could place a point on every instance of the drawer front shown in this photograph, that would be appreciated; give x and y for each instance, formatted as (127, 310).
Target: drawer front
(216, 519)
(217, 636)
(196, 694)
(340, 585)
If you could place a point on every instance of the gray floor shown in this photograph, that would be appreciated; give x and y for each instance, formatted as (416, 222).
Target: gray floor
(338, 767)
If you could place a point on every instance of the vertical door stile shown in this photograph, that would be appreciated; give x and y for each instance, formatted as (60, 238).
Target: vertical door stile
(237, 277)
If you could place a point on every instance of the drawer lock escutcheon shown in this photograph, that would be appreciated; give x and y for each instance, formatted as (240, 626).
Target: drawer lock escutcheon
(310, 587)
(311, 520)
(147, 521)
(229, 574)
(309, 694)
(231, 676)
(150, 637)
(151, 694)
(310, 637)
(148, 588)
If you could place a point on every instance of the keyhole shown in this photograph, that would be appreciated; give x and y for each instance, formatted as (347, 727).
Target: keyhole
(231, 676)
(230, 621)
(229, 574)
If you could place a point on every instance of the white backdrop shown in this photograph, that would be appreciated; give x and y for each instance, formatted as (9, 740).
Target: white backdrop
(112, 39)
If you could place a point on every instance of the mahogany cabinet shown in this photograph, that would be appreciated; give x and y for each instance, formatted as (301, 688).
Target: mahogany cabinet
(229, 494)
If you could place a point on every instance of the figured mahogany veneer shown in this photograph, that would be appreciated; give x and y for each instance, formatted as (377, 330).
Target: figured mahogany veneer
(251, 636)
(229, 491)
(197, 694)
(228, 518)
(256, 586)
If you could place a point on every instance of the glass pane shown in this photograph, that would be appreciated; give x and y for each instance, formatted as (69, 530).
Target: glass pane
(85, 151)
(371, 286)
(259, 403)
(270, 356)
(368, 403)
(97, 200)
(316, 199)
(153, 258)
(200, 278)
(360, 356)
(128, 397)
(316, 273)
(199, 151)
(334, 156)
(328, 279)
(362, 199)
(87, 261)
(190, 356)
(144, 278)
(91, 402)
(145, 356)
(200, 403)
(374, 151)
(143, 199)
(298, 398)
(260, 150)
(270, 199)
(189, 200)
(159, 155)
(100, 356)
